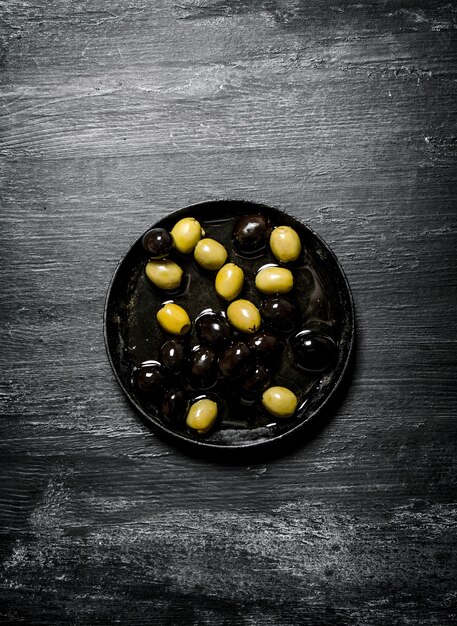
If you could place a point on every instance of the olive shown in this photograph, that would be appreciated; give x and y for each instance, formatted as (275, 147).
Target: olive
(186, 233)
(285, 244)
(250, 233)
(313, 351)
(157, 242)
(244, 316)
(235, 360)
(274, 280)
(173, 319)
(257, 380)
(203, 367)
(265, 346)
(202, 415)
(213, 329)
(173, 355)
(280, 314)
(164, 273)
(210, 254)
(149, 376)
(174, 404)
(229, 281)
(280, 401)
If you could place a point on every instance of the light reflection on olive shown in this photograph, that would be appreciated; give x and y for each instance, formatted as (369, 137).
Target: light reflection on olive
(280, 314)
(174, 405)
(173, 355)
(235, 360)
(213, 329)
(203, 367)
(314, 351)
(250, 233)
(150, 376)
(265, 346)
(257, 380)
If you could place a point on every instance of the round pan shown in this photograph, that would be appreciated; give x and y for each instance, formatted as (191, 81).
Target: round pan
(322, 292)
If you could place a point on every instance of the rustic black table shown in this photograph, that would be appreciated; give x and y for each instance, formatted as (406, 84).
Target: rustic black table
(115, 114)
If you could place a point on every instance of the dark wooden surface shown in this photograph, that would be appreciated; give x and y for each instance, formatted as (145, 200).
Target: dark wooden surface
(114, 114)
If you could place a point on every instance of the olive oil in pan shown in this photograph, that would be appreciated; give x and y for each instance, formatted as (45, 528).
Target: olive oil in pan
(215, 358)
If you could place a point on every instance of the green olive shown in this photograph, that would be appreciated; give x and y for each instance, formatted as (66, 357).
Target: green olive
(186, 233)
(202, 415)
(229, 281)
(285, 244)
(173, 319)
(210, 254)
(280, 401)
(244, 316)
(164, 273)
(274, 280)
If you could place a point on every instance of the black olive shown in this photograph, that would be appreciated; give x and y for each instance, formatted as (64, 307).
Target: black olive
(173, 355)
(203, 367)
(235, 360)
(280, 314)
(174, 405)
(213, 329)
(157, 242)
(250, 233)
(257, 380)
(150, 376)
(265, 346)
(313, 351)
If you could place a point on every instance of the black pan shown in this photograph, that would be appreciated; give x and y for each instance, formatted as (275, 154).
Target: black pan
(132, 335)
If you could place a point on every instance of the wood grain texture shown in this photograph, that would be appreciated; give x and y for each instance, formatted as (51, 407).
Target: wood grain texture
(114, 114)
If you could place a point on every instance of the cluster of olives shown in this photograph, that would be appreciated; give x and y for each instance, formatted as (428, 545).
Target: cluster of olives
(240, 346)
